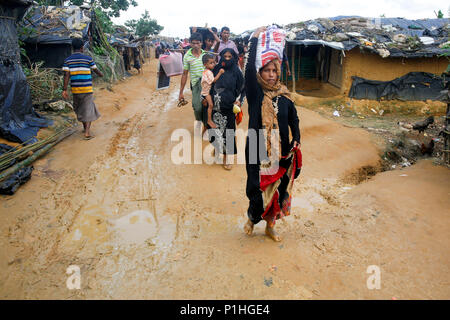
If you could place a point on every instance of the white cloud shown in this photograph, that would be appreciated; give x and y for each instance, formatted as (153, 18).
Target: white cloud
(178, 15)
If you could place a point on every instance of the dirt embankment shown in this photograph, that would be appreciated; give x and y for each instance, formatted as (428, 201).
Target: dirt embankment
(139, 226)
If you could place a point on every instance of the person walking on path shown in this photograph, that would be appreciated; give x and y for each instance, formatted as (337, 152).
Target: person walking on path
(227, 92)
(225, 42)
(270, 173)
(77, 69)
(193, 65)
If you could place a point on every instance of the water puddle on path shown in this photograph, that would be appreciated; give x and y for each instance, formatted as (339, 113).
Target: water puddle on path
(143, 228)
(171, 100)
(308, 201)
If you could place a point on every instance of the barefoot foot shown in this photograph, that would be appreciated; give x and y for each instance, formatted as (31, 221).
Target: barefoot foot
(248, 228)
(271, 233)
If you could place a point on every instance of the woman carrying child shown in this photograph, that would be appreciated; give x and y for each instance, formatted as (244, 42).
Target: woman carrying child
(270, 174)
(226, 92)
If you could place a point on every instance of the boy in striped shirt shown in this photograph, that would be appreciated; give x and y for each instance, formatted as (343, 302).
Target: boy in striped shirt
(77, 69)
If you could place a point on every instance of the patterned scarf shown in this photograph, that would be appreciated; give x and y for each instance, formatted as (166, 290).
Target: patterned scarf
(269, 110)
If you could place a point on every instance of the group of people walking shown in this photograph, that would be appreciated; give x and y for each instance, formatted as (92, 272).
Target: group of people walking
(218, 89)
(222, 87)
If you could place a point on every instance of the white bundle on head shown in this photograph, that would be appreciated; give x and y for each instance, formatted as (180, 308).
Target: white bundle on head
(270, 46)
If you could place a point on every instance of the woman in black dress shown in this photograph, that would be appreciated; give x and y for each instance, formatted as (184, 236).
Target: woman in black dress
(226, 92)
(270, 173)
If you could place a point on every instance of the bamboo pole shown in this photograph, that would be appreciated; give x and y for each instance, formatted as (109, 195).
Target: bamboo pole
(447, 136)
(293, 68)
(5, 174)
(299, 63)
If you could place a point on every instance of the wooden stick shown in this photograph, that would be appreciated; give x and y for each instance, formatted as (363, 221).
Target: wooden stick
(293, 68)
(5, 174)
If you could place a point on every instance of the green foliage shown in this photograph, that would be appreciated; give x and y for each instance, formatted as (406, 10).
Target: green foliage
(131, 25)
(105, 22)
(45, 83)
(113, 7)
(99, 51)
(24, 32)
(145, 26)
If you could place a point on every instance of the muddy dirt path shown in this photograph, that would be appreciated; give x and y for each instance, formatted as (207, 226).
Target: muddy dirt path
(140, 227)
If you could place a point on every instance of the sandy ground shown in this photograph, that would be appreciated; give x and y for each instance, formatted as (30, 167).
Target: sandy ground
(141, 227)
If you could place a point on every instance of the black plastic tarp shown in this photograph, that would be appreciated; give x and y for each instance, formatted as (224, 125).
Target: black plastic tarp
(18, 120)
(53, 55)
(414, 86)
(419, 27)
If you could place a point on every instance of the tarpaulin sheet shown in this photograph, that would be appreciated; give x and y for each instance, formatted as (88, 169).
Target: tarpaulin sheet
(18, 120)
(422, 38)
(414, 86)
(52, 27)
(418, 27)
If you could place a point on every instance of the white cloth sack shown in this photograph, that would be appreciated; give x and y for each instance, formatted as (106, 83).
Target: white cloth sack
(270, 46)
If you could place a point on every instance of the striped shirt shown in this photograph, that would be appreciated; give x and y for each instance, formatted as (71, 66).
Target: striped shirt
(79, 66)
(194, 65)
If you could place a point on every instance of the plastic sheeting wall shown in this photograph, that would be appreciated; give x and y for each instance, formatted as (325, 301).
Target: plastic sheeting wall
(18, 121)
(414, 86)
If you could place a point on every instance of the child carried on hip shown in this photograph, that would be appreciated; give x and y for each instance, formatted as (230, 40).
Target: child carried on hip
(209, 61)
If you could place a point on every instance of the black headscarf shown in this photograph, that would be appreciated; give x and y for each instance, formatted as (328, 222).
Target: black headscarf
(230, 84)
(226, 64)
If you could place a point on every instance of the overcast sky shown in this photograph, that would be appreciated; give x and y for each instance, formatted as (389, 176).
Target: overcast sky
(240, 15)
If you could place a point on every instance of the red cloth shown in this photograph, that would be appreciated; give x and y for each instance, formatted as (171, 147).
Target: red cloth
(239, 117)
(273, 211)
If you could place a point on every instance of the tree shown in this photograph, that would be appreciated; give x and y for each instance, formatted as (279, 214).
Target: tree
(439, 14)
(111, 8)
(105, 22)
(145, 26)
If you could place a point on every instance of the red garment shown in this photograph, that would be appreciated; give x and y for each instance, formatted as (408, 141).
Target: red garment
(239, 117)
(241, 63)
(276, 210)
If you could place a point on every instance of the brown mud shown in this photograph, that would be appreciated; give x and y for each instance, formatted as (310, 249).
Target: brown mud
(141, 227)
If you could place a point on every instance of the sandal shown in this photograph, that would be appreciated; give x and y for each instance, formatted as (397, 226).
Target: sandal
(227, 167)
(181, 103)
(89, 137)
